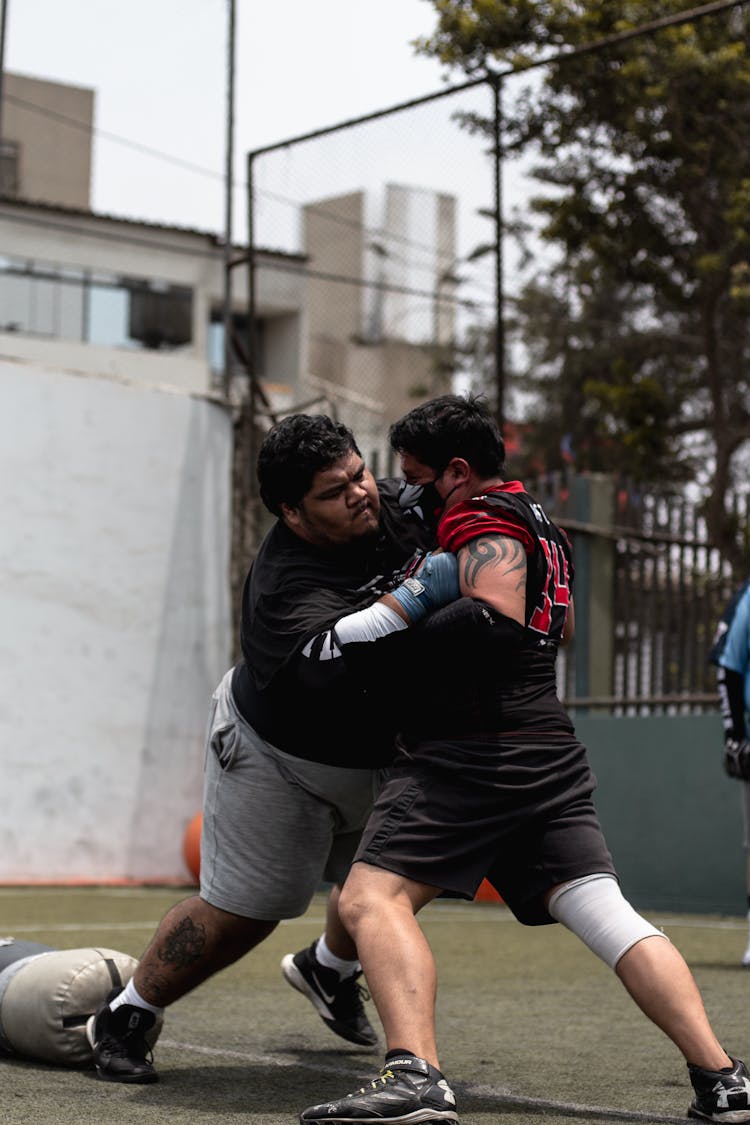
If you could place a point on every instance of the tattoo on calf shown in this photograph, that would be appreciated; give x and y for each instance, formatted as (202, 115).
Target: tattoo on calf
(185, 944)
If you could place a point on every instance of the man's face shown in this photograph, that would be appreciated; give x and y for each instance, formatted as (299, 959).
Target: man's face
(341, 506)
(415, 472)
(449, 485)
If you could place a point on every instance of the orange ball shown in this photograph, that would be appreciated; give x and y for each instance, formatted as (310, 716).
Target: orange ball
(191, 846)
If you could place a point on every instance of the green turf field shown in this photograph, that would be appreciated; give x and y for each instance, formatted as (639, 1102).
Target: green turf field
(531, 1025)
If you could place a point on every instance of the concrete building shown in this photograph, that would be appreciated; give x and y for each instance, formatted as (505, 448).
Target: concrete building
(140, 301)
(102, 293)
(379, 318)
(46, 141)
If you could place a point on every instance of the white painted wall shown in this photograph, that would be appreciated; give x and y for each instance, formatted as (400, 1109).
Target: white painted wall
(114, 620)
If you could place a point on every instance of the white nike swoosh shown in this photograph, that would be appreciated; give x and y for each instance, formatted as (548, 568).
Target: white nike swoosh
(328, 999)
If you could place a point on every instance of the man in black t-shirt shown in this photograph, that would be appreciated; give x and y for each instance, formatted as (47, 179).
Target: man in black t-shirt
(490, 781)
(296, 743)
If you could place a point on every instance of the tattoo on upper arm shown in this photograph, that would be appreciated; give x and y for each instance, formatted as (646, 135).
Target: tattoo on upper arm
(494, 552)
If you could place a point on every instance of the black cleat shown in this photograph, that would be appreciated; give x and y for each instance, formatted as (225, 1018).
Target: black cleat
(408, 1090)
(721, 1095)
(339, 1003)
(118, 1041)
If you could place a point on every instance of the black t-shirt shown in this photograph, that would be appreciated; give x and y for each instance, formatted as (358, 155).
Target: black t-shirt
(298, 694)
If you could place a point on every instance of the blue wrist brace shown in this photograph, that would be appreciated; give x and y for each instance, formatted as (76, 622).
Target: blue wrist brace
(435, 584)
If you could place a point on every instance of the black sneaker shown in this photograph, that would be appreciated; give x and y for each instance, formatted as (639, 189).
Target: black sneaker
(407, 1089)
(721, 1095)
(339, 1003)
(118, 1041)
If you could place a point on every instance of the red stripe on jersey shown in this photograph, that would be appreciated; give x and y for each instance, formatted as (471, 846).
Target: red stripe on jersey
(472, 518)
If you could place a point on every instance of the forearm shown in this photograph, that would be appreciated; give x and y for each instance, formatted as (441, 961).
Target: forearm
(371, 624)
(732, 697)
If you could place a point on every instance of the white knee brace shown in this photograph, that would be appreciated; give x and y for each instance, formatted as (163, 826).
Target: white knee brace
(594, 909)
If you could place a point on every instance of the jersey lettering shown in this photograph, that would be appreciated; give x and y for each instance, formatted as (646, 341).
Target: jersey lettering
(556, 591)
(539, 513)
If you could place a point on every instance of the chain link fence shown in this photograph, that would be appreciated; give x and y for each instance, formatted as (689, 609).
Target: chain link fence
(395, 222)
(394, 218)
(649, 593)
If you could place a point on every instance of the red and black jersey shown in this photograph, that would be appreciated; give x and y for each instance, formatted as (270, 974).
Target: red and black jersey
(508, 510)
(485, 676)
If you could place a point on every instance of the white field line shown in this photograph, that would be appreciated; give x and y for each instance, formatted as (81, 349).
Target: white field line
(436, 912)
(500, 1094)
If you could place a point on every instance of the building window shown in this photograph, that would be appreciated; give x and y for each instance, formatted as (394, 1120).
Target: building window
(97, 308)
(216, 343)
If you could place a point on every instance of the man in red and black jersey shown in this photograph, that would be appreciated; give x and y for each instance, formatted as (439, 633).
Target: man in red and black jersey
(491, 781)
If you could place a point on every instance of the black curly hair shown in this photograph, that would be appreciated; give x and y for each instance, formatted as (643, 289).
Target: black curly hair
(451, 426)
(294, 451)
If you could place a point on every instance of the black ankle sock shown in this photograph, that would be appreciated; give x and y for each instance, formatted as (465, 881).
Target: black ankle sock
(398, 1053)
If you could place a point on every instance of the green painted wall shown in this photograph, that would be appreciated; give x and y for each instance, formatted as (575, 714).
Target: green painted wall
(670, 814)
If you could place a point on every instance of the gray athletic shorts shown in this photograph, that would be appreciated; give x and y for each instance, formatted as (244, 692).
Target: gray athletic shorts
(274, 826)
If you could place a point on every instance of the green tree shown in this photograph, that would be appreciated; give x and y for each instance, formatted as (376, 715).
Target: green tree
(638, 336)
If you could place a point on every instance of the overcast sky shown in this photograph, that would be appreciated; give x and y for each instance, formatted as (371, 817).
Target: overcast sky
(159, 70)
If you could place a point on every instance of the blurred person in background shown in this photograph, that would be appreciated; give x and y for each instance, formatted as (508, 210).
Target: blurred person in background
(731, 655)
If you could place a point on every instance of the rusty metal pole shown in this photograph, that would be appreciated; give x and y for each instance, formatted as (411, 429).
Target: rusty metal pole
(3, 16)
(228, 195)
(499, 281)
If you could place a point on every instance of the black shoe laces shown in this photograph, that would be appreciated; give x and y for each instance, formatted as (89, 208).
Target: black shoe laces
(352, 996)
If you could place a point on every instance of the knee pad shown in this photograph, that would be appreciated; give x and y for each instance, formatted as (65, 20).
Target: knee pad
(594, 909)
(47, 998)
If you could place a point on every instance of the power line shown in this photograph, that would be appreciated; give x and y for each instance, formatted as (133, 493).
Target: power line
(561, 56)
(284, 264)
(492, 76)
(642, 29)
(84, 126)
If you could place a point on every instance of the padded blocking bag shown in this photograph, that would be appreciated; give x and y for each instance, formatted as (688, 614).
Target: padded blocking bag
(47, 997)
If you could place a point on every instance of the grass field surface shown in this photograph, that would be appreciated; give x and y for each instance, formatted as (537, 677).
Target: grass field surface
(531, 1025)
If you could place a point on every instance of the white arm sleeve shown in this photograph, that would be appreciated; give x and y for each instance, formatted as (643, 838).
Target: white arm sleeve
(365, 625)
(377, 620)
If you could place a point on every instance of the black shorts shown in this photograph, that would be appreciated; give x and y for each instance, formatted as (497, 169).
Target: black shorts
(519, 815)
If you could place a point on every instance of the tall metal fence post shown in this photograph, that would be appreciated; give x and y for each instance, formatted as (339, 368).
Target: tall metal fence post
(593, 498)
(499, 279)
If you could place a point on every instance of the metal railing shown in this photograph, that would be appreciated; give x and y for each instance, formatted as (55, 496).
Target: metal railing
(649, 605)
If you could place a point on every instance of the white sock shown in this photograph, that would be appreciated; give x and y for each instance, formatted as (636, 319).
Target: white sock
(331, 961)
(131, 995)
